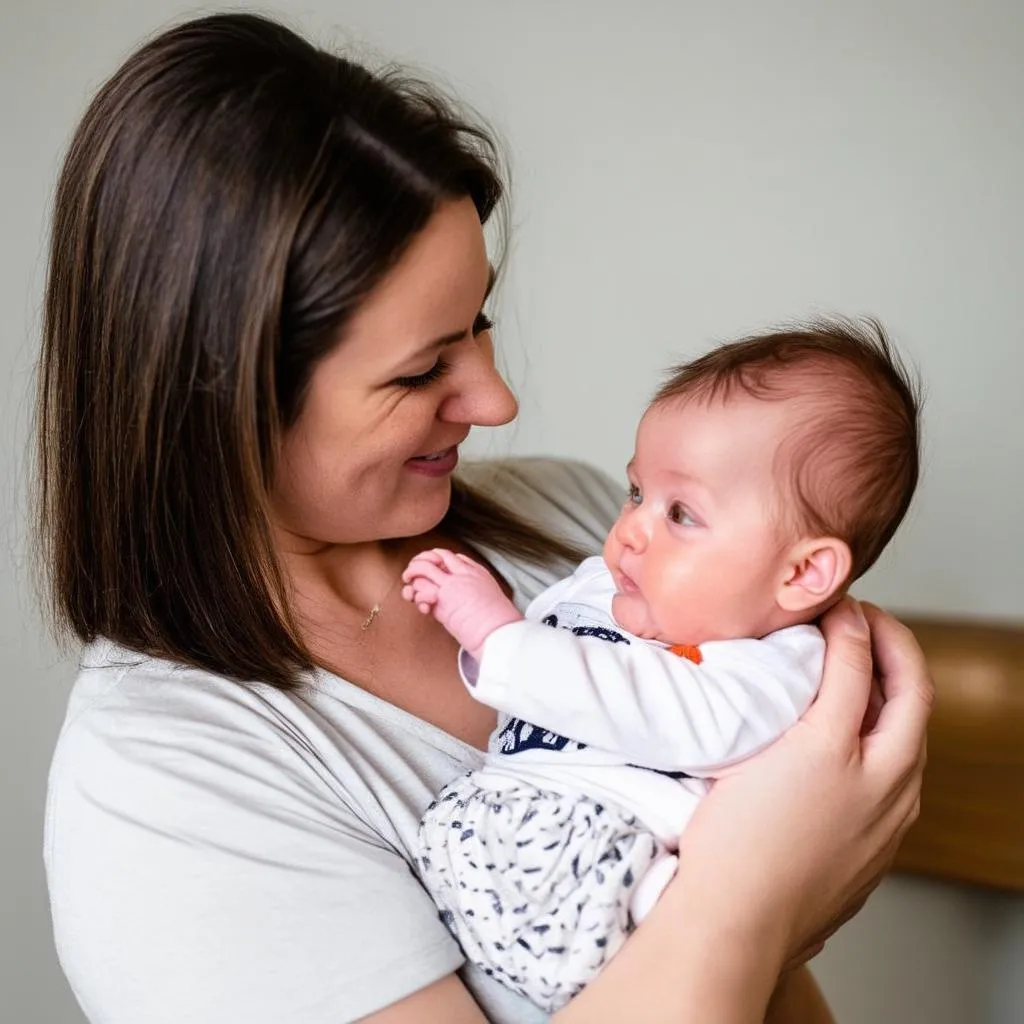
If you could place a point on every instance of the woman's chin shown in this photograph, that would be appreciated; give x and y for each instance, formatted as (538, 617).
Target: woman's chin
(422, 515)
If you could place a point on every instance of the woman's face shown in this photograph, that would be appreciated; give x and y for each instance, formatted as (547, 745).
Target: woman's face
(373, 450)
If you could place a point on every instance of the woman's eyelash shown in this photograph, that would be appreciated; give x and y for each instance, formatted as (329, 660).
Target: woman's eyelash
(421, 380)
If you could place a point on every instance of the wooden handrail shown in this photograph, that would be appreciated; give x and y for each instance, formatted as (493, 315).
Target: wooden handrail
(971, 827)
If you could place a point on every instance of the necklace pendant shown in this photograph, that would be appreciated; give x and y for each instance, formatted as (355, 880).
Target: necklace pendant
(368, 622)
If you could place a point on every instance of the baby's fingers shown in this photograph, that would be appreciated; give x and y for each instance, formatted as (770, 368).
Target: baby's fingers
(432, 556)
(471, 565)
(423, 567)
(421, 592)
(452, 562)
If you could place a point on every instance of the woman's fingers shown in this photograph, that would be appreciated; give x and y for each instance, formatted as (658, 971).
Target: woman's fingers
(906, 684)
(825, 806)
(845, 693)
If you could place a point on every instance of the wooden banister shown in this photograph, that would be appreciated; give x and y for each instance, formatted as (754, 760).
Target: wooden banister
(971, 827)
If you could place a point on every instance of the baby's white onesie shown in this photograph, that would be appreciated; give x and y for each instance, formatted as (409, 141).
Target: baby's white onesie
(542, 860)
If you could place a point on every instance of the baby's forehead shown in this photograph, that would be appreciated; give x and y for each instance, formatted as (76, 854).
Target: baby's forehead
(734, 419)
(732, 445)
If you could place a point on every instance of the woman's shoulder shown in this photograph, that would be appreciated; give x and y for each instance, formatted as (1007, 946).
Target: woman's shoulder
(122, 691)
(152, 723)
(139, 712)
(571, 498)
(164, 736)
(232, 825)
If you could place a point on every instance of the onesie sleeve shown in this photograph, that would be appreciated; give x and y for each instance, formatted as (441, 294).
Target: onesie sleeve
(647, 703)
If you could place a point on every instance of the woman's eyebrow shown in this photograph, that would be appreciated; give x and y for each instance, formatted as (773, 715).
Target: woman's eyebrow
(445, 339)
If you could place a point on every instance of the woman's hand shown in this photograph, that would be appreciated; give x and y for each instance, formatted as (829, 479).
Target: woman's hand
(786, 846)
(789, 844)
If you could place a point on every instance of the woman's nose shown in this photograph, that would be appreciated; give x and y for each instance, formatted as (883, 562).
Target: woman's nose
(480, 396)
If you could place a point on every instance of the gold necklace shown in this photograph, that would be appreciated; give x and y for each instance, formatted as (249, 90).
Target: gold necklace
(378, 606)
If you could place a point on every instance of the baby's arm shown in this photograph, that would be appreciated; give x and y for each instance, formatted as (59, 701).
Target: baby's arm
(639, 699)
(647, 703)
(463, 596)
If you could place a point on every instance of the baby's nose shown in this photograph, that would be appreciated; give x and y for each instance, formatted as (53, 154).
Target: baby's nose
(631, 530)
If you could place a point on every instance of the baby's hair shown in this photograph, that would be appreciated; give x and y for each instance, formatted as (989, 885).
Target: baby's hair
(854, 459)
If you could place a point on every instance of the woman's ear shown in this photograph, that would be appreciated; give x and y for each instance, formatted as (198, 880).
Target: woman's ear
(815, 571)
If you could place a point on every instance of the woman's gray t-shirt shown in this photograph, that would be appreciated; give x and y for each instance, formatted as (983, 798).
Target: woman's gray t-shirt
(219, 853)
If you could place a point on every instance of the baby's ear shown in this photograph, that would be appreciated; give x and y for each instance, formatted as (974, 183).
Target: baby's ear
(815, 570)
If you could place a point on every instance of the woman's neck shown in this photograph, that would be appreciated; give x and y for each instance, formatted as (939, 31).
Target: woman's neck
(353, 577)
(394, 652)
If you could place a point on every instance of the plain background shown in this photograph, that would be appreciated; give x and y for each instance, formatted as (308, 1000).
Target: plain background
(682, 172)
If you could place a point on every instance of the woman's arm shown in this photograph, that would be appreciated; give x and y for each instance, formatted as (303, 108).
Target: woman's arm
(445, 1002)
(824, 809)
(798, 1000)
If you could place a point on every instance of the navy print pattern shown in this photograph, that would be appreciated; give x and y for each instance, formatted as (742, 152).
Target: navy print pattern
(518, 735)
(535, 886)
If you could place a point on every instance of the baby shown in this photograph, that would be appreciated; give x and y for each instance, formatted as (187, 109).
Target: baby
(766, 477)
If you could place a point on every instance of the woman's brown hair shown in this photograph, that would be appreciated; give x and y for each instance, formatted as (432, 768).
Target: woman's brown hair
(229, 198)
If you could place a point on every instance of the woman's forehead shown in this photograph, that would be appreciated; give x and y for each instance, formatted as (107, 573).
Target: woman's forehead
(439, 281)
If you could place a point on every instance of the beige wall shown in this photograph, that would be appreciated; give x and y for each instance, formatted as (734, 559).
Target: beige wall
(683, 172)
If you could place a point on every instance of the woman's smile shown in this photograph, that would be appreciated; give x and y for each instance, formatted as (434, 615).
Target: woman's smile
(439, 463)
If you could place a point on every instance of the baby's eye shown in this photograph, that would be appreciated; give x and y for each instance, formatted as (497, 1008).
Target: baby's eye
(634, 497)
(677, 514)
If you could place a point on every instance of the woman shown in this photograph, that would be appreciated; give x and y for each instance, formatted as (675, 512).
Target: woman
(265, 340)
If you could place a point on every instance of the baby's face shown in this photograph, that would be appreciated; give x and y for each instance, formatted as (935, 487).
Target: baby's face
(697, 553)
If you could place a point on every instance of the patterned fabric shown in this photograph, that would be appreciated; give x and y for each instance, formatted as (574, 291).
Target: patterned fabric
(536, 886)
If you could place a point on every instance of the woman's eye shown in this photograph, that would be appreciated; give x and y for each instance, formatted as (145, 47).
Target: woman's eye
(421, 380)
(633, 496)
(677, 514)
(482, 324)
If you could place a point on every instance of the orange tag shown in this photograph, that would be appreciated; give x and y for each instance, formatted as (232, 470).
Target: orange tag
(686, 651)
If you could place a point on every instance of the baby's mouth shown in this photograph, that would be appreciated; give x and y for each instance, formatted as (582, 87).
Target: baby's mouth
(627, 585)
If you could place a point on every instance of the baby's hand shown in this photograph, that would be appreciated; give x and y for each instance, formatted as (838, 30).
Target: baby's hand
(463, 596)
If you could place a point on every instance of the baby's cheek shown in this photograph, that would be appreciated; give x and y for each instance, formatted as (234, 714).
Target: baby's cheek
(610, 552)
(630, 612)
(672, 614)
